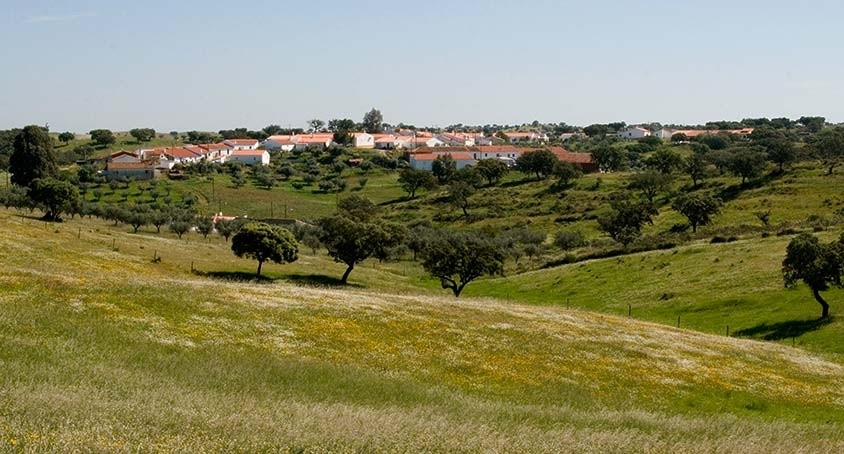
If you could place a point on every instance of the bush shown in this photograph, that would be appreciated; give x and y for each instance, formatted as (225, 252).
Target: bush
(569, 239)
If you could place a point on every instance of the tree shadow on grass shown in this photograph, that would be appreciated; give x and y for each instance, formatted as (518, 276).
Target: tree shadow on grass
(318, 280)
(783, 330)
(236, 276)
(734, 191)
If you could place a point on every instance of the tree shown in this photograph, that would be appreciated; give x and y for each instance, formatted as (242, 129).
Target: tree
(158, 218)
(828, 147)
(103, 137)
(538, 162)
(650, 183)
(697, 167)
(747, 163)
(341, 125)
(55, 197)
(412, 180)
(625, 220)
(142, 134)
(459, 193)
(66, 137)
(665, 160)
(596, 130)
(136, 217)
(204, 225)
(818, 265)
(272, 130)
(444, 168)
(492, 170)
(679, 137)
(316, 125)
(609, 158)
(32, 157)
(263, 242)
(357, 207)
(697, 208)
(373, 121)
(781, 152)
(228, 227)
(566, 172)
(715, 141)
(812, 124)
(350, 241)
(569, 239)
(457, 258)
(179, 227)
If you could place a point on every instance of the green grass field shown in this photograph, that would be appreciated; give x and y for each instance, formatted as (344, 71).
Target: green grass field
(104, 350)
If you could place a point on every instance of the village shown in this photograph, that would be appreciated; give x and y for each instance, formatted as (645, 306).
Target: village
(422, 148)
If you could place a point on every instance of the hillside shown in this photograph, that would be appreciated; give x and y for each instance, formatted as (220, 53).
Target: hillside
(103, 349)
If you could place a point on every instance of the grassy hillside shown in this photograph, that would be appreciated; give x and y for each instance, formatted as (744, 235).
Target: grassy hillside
(104, 350)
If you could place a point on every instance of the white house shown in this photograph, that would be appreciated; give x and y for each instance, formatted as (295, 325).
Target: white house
(386, 142)
(515, 137)
(363, 140)
(317, 140)
(279, 143)
(242, 144)
(457, 139)
(250, 157)
(633, 132)
(417, 142)
(425, 161)
(131, 170)
(216, 150)
(664, 133)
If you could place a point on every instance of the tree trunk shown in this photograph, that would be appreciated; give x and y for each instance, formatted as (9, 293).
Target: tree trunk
(345, 278)
(822, 302)
(694, 228)
(458, 289)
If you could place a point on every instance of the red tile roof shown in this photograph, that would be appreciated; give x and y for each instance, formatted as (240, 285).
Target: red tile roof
(181, 152)
(456, 155)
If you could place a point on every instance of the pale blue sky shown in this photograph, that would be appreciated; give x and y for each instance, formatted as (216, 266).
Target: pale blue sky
(182, 65)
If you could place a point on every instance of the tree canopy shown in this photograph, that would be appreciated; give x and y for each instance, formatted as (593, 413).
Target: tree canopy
(143, 134)
(373, 121)
(538, 162)
(55, 197)
(32, 157)
(103, 137)
(818, 265)
(697, 208)
(457, 258)
(263, 242)
(492, 170)
(625, 219)
(412, 180)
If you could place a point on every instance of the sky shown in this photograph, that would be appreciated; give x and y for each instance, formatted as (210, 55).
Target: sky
(211, 65)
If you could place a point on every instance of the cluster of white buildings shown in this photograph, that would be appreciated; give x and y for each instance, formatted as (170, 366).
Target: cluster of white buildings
(145, 162)
(640, 132)
(423, 158)
(405, 139)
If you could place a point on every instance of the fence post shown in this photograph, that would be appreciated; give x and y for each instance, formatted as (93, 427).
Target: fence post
(678, 321)
(629, 310)
(728, 330)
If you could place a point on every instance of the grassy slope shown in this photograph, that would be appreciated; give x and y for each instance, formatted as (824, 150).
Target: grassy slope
(103, 349)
